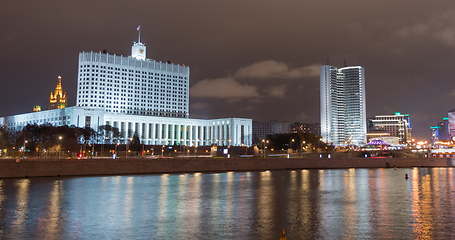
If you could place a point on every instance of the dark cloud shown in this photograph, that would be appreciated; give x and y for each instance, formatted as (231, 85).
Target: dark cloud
(224, 88)
(407, 48)
(275, 69)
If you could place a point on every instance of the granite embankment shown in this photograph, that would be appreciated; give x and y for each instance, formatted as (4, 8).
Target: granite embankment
(10, 168)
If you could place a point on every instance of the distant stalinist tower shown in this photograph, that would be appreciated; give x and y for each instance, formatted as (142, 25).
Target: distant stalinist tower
(57, 99)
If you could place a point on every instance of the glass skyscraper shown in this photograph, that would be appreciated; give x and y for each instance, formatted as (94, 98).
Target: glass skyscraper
(343, 116)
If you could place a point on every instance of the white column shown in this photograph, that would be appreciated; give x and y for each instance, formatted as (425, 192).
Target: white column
(225, 140)
(245, 131)
(201, 135)
(184, 135)
(139, 130)
(212, 134)
(234, 134)
(250, 135)
(145, 133)
(160, 133)
(166, 134)
(218, 134)
(153, 133)
(128, 128)
(196, 136)
(239, 134)
(179, 134)
(125, 131)
(190, 137)
(115, 125)
(172, 137)
(133, 129)
(208, 137)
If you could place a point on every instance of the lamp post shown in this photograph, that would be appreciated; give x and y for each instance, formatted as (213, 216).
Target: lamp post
(263, 147)
(126, 146)
(59, 146)
(23, 149)
(116, 149)
(292, 144)
(162, 151)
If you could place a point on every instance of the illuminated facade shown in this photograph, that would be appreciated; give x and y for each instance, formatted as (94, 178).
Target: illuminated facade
(150, 129)
(57, 98)
(138, 96)
(343, 107)
(441, 131)
(133, 85)
(37, 108)
(397, 124)
(451, 116)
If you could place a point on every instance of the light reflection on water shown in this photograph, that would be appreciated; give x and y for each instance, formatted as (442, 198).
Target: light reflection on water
(309, 204)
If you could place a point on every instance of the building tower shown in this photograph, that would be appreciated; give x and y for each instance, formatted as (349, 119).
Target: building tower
(343, 115)
(134, 84)
(57, 99)
(138, 50)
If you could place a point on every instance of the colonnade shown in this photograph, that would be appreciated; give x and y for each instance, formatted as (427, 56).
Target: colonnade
(222, 133)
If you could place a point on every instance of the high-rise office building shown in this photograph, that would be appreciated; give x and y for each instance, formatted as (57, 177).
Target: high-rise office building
(343, 115)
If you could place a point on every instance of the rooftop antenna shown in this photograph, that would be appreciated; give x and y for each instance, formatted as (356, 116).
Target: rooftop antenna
(139, 33)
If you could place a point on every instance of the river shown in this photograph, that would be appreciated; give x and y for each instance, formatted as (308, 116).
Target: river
(308, 204)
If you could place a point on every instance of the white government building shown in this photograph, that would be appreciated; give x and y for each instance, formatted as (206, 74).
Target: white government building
(138, 96)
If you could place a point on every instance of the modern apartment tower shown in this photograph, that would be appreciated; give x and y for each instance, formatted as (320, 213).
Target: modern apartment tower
(343, 116)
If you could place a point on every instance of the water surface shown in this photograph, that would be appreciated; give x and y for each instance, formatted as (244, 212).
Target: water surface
(309, 204)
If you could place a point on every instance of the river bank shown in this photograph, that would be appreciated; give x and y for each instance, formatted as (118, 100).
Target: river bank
(10, 168)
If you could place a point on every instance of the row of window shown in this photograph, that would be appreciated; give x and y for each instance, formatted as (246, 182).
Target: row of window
(96, 68)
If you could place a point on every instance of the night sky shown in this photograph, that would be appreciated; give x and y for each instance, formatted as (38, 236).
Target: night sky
(249, 58)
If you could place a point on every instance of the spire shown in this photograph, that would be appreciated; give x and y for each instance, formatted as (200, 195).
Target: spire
(57, 98)
(59, 83)
(139, 33)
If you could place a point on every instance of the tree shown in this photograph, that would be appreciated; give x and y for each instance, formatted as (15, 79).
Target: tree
(6, 138)
(109, 133)
(303, 141)
(135, 144)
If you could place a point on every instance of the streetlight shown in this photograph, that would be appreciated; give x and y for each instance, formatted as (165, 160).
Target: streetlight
(263, 147)
(59, 146)
(162, 151)
(23, 149)
(126, 150)
(116, 149)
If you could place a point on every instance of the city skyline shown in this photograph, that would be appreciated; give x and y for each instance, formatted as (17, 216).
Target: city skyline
(393, 61)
